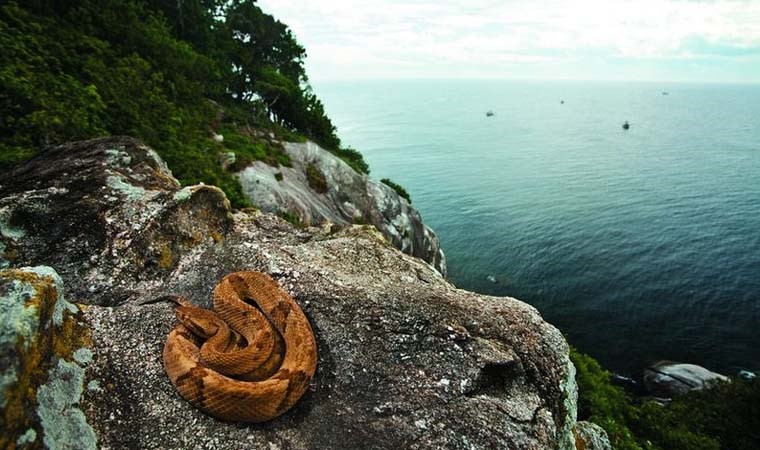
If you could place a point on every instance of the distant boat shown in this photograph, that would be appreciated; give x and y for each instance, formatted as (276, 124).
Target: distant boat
(561, 102)
(626, 125)
(665, 93)
(489, 114)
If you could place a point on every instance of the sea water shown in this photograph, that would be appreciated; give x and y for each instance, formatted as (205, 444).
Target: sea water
(639, 244)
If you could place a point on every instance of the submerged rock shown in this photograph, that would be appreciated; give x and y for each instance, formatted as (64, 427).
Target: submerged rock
(406, 360)
(320, 187)
(667, 379)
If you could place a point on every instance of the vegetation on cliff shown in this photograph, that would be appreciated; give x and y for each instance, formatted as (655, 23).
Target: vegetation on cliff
(398, 188)
(172, 73)
(724, 417)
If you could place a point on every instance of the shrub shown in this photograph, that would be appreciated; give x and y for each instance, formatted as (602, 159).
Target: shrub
(316, 178)
(398, 188)
(726, 416)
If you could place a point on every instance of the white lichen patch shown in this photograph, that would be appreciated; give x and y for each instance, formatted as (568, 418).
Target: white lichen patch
(183, 194)
(117, 158)
(132, 192)
(27, 438)
(4, 263)
(16, 318)
(64, 425)
(18, 322)
(5, 227)
(83, 356)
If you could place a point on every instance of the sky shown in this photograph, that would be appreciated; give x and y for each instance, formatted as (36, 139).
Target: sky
(644, 40)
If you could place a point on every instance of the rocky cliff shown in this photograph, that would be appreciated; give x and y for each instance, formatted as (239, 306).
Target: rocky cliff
(93, 231)
(320, 187)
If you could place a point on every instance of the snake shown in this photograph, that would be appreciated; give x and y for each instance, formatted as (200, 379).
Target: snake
(250, 359)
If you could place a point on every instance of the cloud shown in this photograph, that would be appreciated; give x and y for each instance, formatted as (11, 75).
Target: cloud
(346, 38)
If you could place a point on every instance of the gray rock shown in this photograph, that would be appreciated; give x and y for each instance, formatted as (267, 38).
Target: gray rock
(406, 360)
(590, 436)
(350, 198)
(667, 379)
(44, 355)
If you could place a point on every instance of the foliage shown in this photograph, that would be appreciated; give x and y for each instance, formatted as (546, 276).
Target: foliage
(602, 403)
(351, 157)
(316, 178)
(398, 188)
(293, 218)
(170, 72)
(724, 417)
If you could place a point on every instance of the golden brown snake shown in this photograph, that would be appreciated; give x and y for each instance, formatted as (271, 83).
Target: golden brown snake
(250, 359)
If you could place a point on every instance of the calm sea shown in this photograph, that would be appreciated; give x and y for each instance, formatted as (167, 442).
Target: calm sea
(639, 245)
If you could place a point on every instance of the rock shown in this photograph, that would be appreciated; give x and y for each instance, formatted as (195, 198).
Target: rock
(747, 375)
(44, 353)
(667, 379)
(590, 436)
(492, 279)
(347, 198)
(406, 360)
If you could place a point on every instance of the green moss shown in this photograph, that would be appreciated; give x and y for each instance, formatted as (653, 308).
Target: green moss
(316, 178)
(293, 218)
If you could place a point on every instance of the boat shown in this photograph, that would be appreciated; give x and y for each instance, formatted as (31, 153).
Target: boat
(489, 114)
(626, 125)
(665, 93)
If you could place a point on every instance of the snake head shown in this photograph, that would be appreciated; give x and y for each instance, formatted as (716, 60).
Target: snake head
(201, 322)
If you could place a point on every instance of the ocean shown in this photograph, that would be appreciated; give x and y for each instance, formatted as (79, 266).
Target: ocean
(639, 245)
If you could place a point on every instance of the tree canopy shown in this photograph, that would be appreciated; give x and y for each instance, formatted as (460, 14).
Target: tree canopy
(164, 71)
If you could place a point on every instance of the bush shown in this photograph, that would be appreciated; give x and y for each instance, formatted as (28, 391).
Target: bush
(726, 416)
(316, 178)
(398, 188)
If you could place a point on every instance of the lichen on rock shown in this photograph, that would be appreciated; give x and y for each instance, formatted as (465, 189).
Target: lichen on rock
(40, 334)
(64, 425)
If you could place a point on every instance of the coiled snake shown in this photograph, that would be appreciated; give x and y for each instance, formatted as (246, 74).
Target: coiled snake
(250, 359)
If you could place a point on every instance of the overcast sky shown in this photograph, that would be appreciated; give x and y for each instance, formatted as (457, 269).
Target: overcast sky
(530, 39)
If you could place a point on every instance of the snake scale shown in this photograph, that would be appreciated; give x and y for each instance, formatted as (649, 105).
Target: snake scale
(248, 360)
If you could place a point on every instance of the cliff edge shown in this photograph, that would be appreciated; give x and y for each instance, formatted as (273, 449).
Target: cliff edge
(319, 187)
(91, 231)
